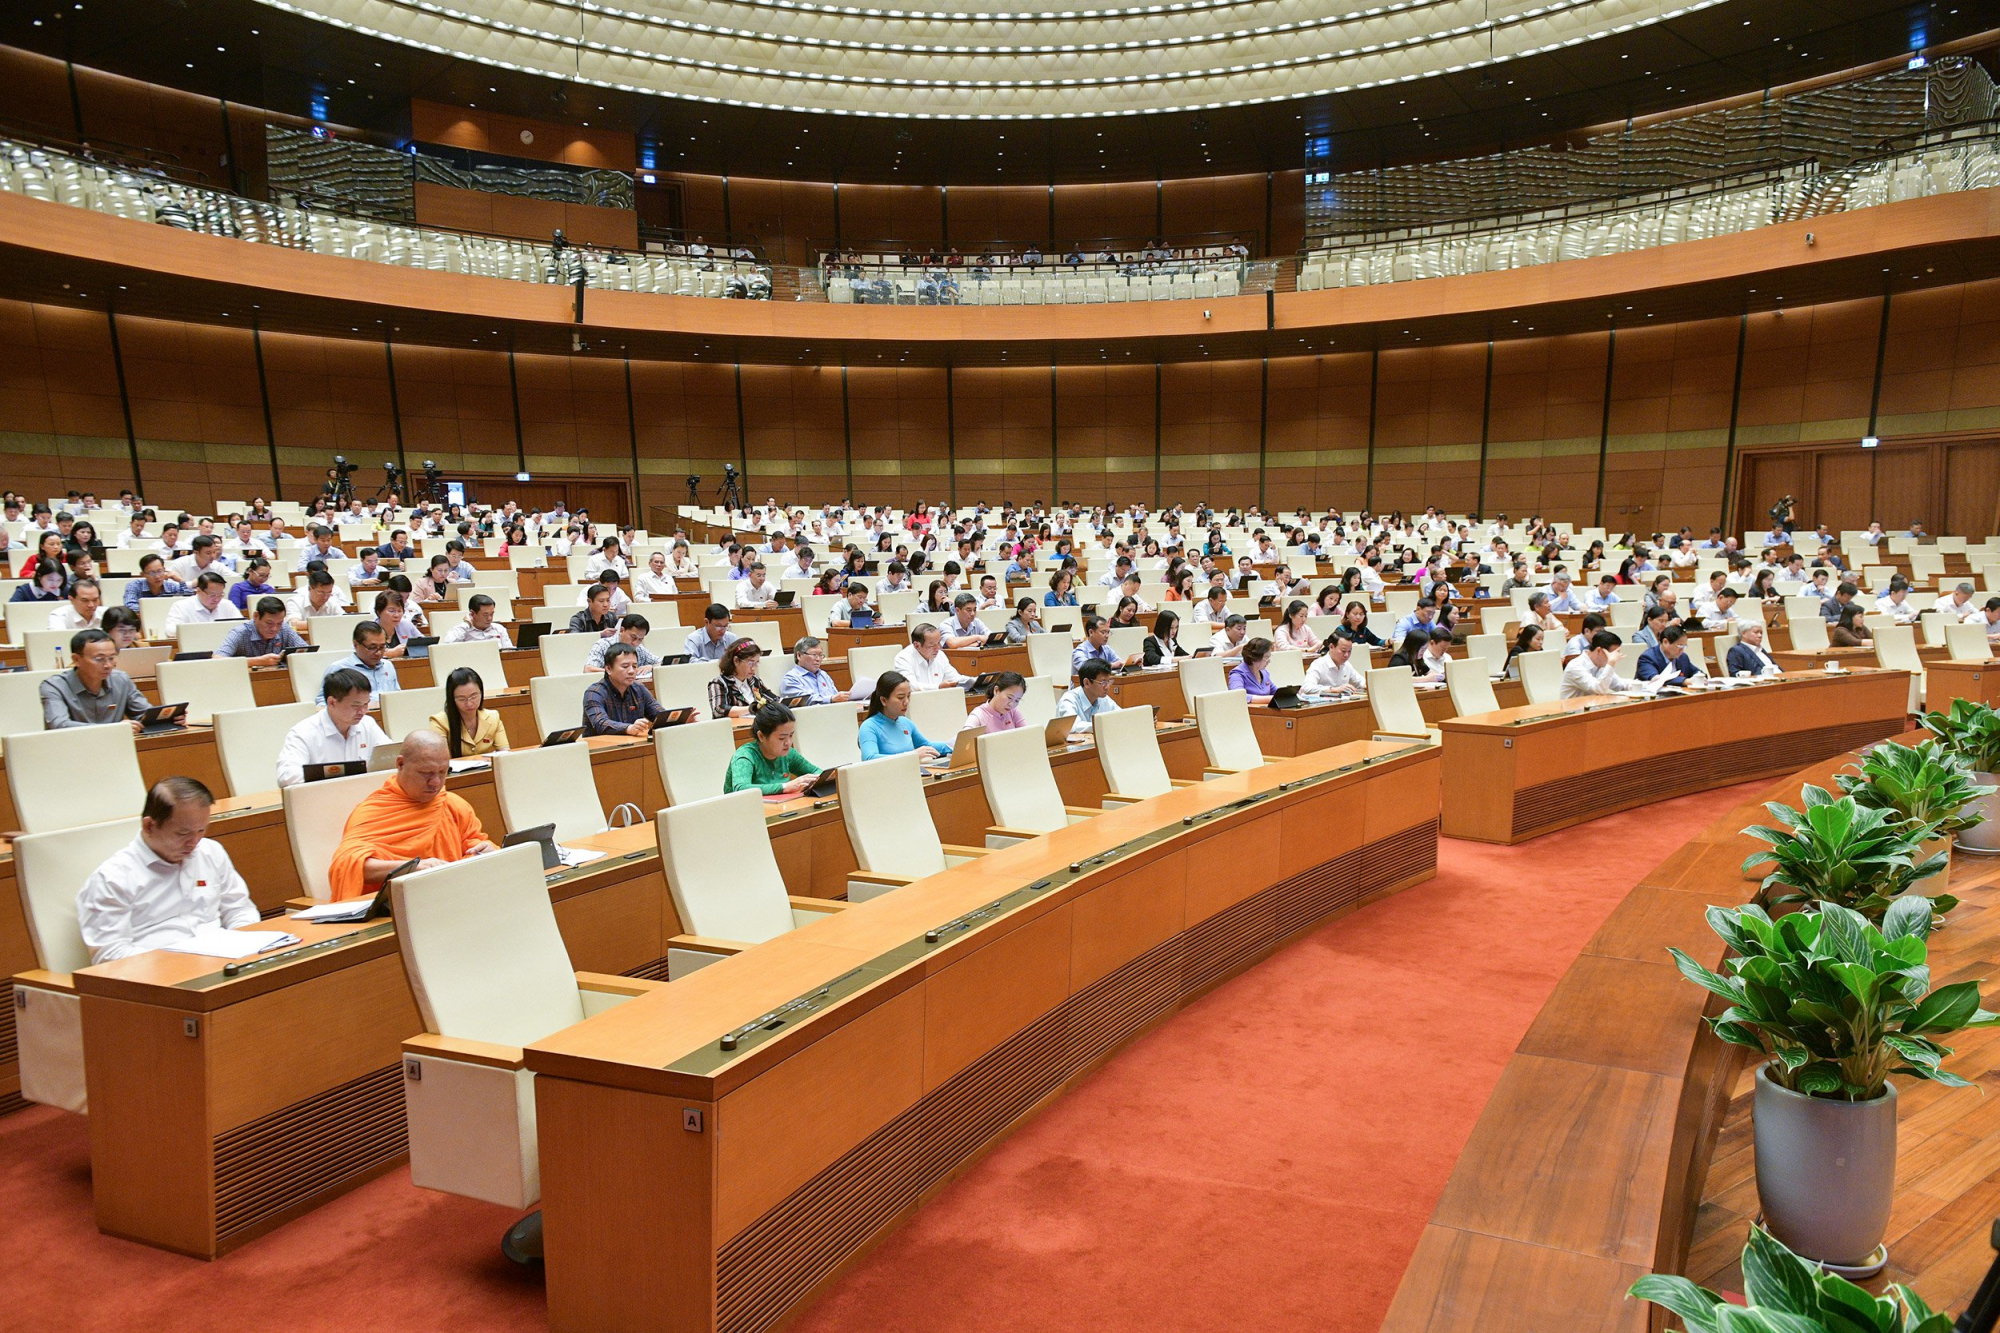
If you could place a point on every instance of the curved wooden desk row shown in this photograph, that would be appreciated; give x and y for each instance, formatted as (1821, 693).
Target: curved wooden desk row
(1585, 1169)
(874, 1054)
(221, 1106)
(1522, 772)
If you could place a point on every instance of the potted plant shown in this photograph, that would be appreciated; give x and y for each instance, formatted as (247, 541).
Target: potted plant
(1838, 851)
(1838, 1005)
(1787, 1294)
(1926, 786)
(1971, 733)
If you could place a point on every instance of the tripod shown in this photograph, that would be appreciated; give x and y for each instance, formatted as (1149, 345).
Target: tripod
(731, 492)
(694, 490)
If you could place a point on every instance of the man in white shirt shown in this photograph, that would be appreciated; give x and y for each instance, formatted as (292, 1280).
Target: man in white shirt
(1705, 600)
(340, 733)
(1561, 601)
(85, 605)
(1090, 696)
(965, 629)
(1896, 602)
(654, 580)
(315, 599)
(1987, 618)
(318, 546)
(798, 564)
(1212, 609)
(367, 572)
(206, 554)
(1604, 598)
(210, 602)
(1593, 670)
(924, 664)
(1334, 672)
(478, 626)
(134, 535)
(168, 883)
(1229, 638)
(1957, 603)
(756, 590)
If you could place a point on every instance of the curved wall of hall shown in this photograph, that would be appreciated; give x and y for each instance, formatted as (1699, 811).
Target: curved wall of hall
(1641, 429)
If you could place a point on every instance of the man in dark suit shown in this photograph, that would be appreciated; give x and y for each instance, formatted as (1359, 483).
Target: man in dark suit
(1669, 658)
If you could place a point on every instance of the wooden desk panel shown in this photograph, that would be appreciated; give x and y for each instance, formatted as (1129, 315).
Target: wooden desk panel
(1945, 680)
(930, 1051)
(1522, 772)
(1295, 731)
(1161, 689)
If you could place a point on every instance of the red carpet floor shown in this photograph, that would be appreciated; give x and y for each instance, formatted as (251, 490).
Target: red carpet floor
(1264, 1159)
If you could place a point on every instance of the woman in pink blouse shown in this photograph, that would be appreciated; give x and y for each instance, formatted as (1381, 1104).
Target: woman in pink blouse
(1292, 631)
(1002, 709)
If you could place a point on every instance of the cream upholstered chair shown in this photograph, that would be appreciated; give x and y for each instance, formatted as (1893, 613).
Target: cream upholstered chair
(1471, 686)
(40, 764)
(483, 657)
(1541, 675)
(549, 784)
(1040, 701)
(868, 661)
(889, 825)
(1895, 649)
(566, 654)
(248, 740)
(1128, 751)
(684, 685)
(207, 687)
(1049, 655)
(694, 759)
(306, 671)
(1227, 737)
(333, 634)
(48, 1013)
(405, 711)
(1202, 675)
(1020, 787)
(1392, 694)
(940, 713)
(557, 701)
(21, 701)
(1967, 643)
(205, 636)
(1932, 624)
(1809, 634)
(828, 734)
(491, 975)
(47, 649)
(724, 880)
(315, 817)
(1489, 648)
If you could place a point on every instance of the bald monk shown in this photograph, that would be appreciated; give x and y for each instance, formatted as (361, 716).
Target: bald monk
(410, 817)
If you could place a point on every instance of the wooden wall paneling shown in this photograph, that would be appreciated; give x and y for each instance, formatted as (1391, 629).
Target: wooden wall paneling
(1906, 487)
(1766, 475)
(1288, 212)
(1918, 362)
(1083, 404)
(1635, 455)
(702, 212)
(896, 429)
(785, 216)
(1971, 487)
(1210, 416)
(1402, 403)
(1130, 432)
(997, 215)
(684, 415)
(1002, 432)
(1840, 369)
(34, 91)
(197, 410)
(1097, 212)
(1975, 381)
(62, 422)
(1843, 490)
(518, 136)
(331, 396)
(1695, 468)
(1453, 419)
(906, 213)
(796, 433)
(185, 126)
(1545, 427)
(1214, 203)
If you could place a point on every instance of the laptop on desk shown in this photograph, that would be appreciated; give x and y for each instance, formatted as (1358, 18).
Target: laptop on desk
(1056, 731)
(419, 648)
(530, 633)
(346, 769)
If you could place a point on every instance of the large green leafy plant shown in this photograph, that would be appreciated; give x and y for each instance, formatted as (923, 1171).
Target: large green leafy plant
(1837, 1003)
(1787, 1294)
(1923, 784)
(1839, 851)
(1971, 731)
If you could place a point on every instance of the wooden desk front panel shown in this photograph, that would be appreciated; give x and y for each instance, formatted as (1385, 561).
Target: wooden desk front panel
(1509, 784)
(1946, 680)
(820, 1140)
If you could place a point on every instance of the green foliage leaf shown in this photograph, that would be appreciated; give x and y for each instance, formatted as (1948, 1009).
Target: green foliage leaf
(1907, 917)
(1945, 1009)
(1695, 1305)
(1776, 1279)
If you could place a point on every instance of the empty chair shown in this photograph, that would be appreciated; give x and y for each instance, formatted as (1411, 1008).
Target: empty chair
(1039, 701)
(21, 701)
(557, 701)
(940, 713)
(1049, 655)
(548, 784)
(724, 881)
(1965, 643)
(48, 1013)
(405, 711)
(202, 636)
(491, 975)
(483, 657)
(1020, 787)
(1202, 675)
(306, 670)
(1128, 751)
(889, 825)
(1895, 649)
(247, 741)
(1392, 694)
(1471, 686)
(829, 734)
(1541, 675)
(315, 817)
(74, 776)
(566, 654)
(1227, 736)
(694, 759)
(207, 687)
(1809, 633)
(1490, 649)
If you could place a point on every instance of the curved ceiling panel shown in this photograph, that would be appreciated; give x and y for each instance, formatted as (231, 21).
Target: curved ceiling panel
(990, 63)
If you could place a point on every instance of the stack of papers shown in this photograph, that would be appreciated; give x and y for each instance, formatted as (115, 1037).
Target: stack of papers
(470, 765)
(576, 856)
(355, 909)
(215, 942)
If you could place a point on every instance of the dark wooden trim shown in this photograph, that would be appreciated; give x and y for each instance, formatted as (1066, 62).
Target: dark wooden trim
(264, 400)
(124, 400)
(1485, 428)
(1604, 424)
(1729, 458)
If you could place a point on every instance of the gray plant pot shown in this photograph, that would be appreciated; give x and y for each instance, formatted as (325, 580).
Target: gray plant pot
(1826, 1171)
(1983, 838)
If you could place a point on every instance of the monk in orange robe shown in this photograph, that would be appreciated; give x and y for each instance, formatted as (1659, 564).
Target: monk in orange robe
(410, 817)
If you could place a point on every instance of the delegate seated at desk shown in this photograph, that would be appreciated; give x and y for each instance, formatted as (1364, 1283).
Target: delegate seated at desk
(807, 679)
(93, 692)
(885, 725)
(370, 660)
(341, 732)
(1747, 656)
(768, 761)
(1089, 697)
(708, 643)
(632, 631)
(619, 705)
(478, 626)
(1669, 658)
(1593, 671)
(469, 727)
(264, 637)
(409, 817)
(923, 664)
(1334, 672)
(168, 883)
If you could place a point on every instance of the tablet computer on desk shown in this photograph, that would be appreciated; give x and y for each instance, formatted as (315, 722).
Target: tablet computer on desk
(345, 769)
(531, 633)
(1287, 696)
(162, 718)
(542, 834)
(418, 648)
(675, 717)
(563, 737)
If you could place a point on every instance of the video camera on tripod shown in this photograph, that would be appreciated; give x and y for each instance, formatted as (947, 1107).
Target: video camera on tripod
(341, 485)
